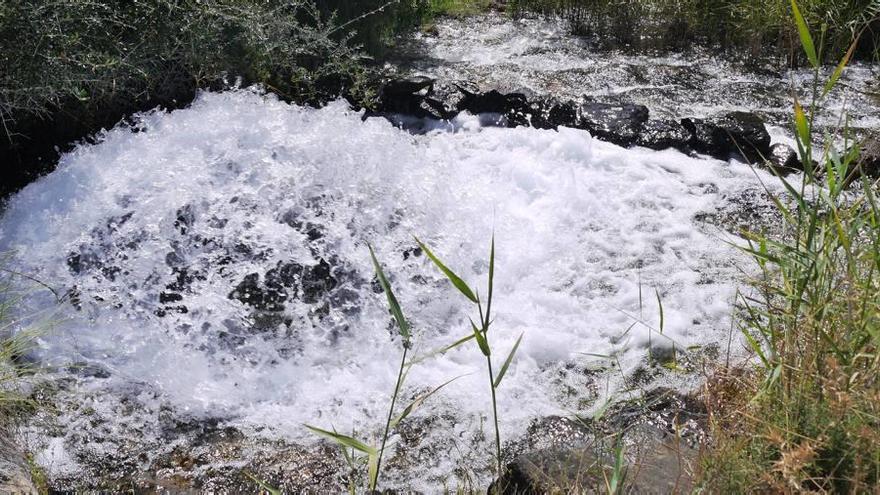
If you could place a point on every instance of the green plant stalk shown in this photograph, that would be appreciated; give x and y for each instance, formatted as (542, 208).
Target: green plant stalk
(390, 416)
(495, 416)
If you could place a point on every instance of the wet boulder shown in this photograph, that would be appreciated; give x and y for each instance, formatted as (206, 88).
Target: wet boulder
(406, 96)
(446, 97)
(869, 157)
(551, 113)
(664, 134)
(514, 106)
(405, 86)
(618, 124)
(740, 135)
(783, 159)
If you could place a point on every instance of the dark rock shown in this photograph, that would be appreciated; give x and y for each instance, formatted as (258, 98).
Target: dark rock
(317, 281)
(550, 113)
(783, 159)
(869, 159)
(736, 134)
(284, 282)
(664, 134)
(405, 86)
(407, 97)
(619, 124)
(513, 105)
(445, 98)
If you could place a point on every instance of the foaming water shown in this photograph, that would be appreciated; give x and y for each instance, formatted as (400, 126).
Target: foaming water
(217, 267)
(536, 54)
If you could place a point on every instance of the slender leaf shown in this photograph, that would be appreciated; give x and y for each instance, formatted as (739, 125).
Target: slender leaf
(801, 124)
(804, 33)
(373, 470)
(455, 279)
(262, 484)
(838, 71)
(507, 361)
(344, 440)
(441, 350)
(481, 340)
(415, 404)
(660, 305)
(491, 281)
(392, 301)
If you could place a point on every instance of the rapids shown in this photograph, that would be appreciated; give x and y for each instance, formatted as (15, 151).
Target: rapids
(214, 269)
(153, 232)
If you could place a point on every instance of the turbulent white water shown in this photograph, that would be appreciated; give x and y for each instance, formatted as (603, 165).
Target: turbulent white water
(537, 54)
(200, 198)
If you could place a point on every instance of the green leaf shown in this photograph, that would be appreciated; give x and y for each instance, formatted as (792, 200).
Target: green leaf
(804, 33)
(507, 361)
(442, 350)
(373, 470)
(801, 124)
(419, 401)
(481, 340)
(262, 484)
(839, 70)
(660, 305)
(455, 279)
(344, 440)
(491, 281)
(392, 301)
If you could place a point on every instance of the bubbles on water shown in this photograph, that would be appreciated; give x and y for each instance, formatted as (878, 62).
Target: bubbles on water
(220, 264)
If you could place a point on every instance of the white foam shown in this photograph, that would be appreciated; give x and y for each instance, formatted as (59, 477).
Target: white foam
(581, 227)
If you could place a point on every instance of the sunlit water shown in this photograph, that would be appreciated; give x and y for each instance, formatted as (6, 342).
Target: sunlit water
(588, 236)
(538, 55)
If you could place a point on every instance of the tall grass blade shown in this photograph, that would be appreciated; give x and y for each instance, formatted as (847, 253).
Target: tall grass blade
(455, 279)
(507, 361)
(804, 33)
(486, 321)
(415, 404)
(481, 340)
(344, 440)
(442, 350)
(838, 71)
(660, 305)
(801, 124)
(263, 485)
(392, 300)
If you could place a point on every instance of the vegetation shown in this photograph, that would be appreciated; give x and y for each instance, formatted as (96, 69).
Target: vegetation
(750, 24)
(72, 67)
(808, 419)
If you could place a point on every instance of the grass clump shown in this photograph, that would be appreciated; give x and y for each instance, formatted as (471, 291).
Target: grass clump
(808, 418)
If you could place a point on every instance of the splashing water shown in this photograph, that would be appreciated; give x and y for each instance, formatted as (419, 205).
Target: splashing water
(217, 265)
